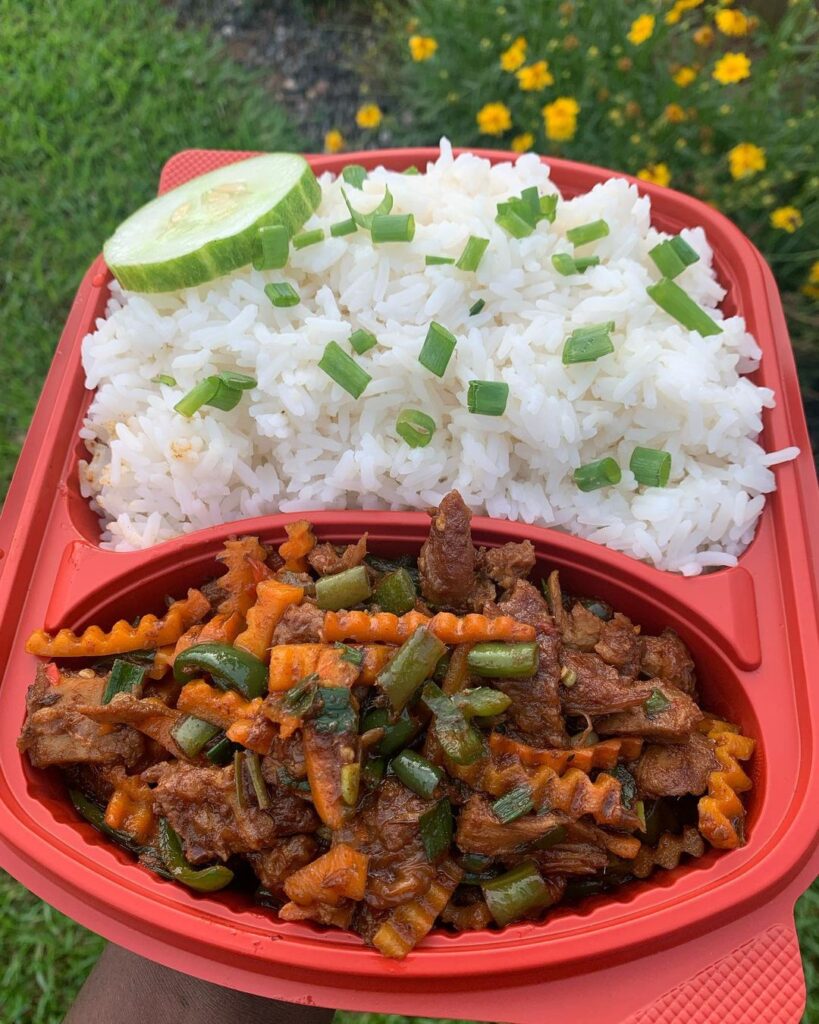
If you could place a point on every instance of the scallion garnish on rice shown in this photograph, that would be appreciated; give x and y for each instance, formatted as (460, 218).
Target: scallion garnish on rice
(601, 473)
(586, 344)
(343, 227)
(164, 378)
(415, 427)
(670, 297)
(437, 349)
(223, 391)
(344, 370)
(672, 256)
(650, 466)
(473, 252)
(306, 238)
(438, 261)
(585, 233)
(476, 307)
(567, 265)
(365, 220)
(282, 294)
(396, 227)
(487, 397)
(274, 242)
(512, 222)
(362, 341)
(354, 174)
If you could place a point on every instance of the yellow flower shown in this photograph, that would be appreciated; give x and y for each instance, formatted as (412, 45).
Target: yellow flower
(560, 118)
(786, 218)
(684, 77)
(732, 23)
(704, 36)
(641, 29)
(811, 286)
(674, 113)
(674, 15)
(368, 116)
(732, 67)
(422, 47)
(745, 159)
(536, 76)
(333, 141)
(657, 174)
(515, 56)
(523, 143)
(494, 118)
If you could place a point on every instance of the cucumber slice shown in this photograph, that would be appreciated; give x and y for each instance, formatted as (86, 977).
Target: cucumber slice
(209, 226)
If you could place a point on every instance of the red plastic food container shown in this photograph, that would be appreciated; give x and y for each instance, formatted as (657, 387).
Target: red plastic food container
(711, 941)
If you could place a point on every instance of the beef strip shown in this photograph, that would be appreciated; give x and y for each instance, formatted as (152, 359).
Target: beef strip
(274, 866)
(666, 657)
(619, 644)
(56, 732)
(534, 713)
(300, 624)
(326, 560)
(287, 754)
(201, 805)
(569, 859)
(479, 831)
(148, 715)
(447, 559)
(597, 688)
(672, 725)
(508, 563)
(676, 769)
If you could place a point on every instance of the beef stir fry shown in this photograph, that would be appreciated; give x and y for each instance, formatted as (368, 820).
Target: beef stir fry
(389, 745)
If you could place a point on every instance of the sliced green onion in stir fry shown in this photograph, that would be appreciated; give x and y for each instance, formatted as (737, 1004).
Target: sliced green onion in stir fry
(282, 294)
(164, 378)
(415, 427)
(274, 243)
(415, 661)
(254, 770)
(594, 475)
(365, 220)
(301, 697)
(503, 661)
(417, 773)
(393, 227)
(487, 397)
(396, 593)
(656, 703)
(124, 678)
(354, 655)
(587, 344)
(673, 300)
(221, 751)
(344, 370)
(567, 265)
(515, 893)
(344, 589)
(438, 261)
(585, 233)
(435, 827)
(437, 349)
(473, 252)
(477, 307)
(673, 255)
(355, 175)
(459, 739)
(306, 238)
(202, 879)
(191, 734)
(343, 227)
(513, 805)
(362, 341)
(650, 466)
(397, 735)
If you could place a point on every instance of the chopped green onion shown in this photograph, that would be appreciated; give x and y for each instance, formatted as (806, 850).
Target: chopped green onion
(415, 427)
(199, 395)
(274, 242)
(254, 770)
(515, 893)
(394, 227)
(164, 378)
(650, 466)
(597, 474)
(410, 170)
(656, 703)
(396, 592)
(586, 344)
(344, 589)
(437, 349)
(435, 827)
(568, 677)
(513, 805)
(344, 370)
(365, 220)
(512, 222)
(473, 252)
(628, 784)
(362, 341)
(282, 294)
(640, 811)
(671, 298)
(438, 261)
(354, 655)
(240, 381)
(191, 734)
(355, 175)
(685, 252)
(531, 198)
(415, 661)
(459, 738)
(239, 779)
(308, 238)
(417, 773)
(343, 227)
(487, 397)
(548, 207)
(220, 752)
(585, 233)
(396, 736)
(477, 307)
(124, 678)
(301, 697)
(673, 256)
(503, 661)
(566, 265)
(350, 783)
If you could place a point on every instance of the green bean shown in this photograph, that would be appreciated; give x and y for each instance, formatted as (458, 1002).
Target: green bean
(343, 590)
(396, 592)
(515, 893)
(460, 740)
(503, 661)
(417, 773)
(415, 661)
(191, 734)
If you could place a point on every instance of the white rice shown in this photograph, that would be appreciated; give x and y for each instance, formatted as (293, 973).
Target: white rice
(299, 442)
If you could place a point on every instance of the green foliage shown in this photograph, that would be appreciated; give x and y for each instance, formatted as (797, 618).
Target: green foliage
(96, 96)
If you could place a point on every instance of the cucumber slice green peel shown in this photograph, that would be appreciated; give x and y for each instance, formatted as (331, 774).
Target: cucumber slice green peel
(210, 225)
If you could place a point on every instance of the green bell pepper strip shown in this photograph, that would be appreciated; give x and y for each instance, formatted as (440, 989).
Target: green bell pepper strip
(220, 751)
(337, 714)
(397, 735)
(515, 893)
(125, 677)
(415, 661)
(460, 740)
(503, 661)
(435, 826)
(229, 668)
(396, 592)
(417, 773)
(482, 702)
(201, 879)
(343, 590)
(192, 734)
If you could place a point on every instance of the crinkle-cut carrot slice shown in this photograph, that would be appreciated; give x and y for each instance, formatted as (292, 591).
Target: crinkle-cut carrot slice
(273, 598)
(239, 582)
(300, 542)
